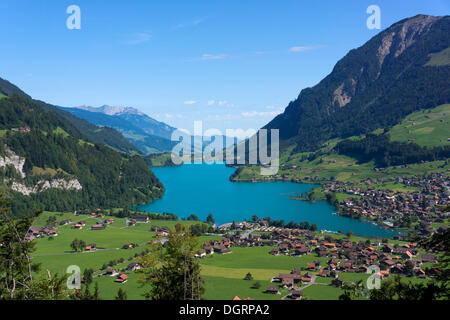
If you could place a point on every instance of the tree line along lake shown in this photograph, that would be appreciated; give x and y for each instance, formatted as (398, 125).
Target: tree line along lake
(202, 189)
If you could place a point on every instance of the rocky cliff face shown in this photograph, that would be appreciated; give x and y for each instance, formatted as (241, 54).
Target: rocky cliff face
(43, 185)
(12, 159)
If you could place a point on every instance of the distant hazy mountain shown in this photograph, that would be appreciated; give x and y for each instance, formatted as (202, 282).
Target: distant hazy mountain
(147, 134)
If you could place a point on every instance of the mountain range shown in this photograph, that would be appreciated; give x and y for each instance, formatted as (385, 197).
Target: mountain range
(52, 160)
(403, 69)
(144, 132)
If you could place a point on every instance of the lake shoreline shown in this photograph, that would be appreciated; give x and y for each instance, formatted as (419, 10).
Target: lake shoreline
(206, 188)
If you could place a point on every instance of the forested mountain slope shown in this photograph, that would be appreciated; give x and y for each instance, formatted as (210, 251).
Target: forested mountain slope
(47, 163)
(401, 70)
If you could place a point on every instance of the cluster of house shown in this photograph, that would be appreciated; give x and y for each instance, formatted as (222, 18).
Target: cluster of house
(433, 193)
(25, 129)
(344, 255)
(347, 256)
(160, 231)
(221, 246)
(121, 277)
(37, 232)
(137, 219)
(290, 281)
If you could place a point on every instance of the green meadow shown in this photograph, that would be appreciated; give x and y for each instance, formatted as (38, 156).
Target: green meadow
(426, 127)
(222, 274)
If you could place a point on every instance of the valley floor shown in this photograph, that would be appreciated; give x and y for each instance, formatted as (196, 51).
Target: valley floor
(223, 273)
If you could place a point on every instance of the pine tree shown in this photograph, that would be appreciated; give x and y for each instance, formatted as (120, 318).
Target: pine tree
(172, 270)
(121, 295)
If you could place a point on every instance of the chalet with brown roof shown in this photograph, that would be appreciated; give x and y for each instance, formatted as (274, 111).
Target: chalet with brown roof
(200, 254)
(209, 250)
(121, 278)
(141, 219)
(133, 266)
(428, 258)
(50, 231)
(222, 250)
(65, 222)
(301, 251)
(275, 252)
(98, 226)
(407, 255)
(91, 247)
(323, 273)
(337, 282)
(420, 273)
(111, 272)
(128, 245)
(273, 290)
(311, 266)
(287, 282)
(322, 253)
(296, 294)
(162, 233)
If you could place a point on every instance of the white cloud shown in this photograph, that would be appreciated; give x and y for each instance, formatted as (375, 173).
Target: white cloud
(225, 103)
(302, 48)
(211, 102)
(208, 56)
(254, 113)
(190, 102)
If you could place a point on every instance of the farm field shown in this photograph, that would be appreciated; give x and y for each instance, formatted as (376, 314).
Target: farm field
(223, 274)
(426, 128)
(55, 253)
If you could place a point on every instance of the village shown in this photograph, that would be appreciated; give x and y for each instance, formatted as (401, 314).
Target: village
(414, 210)
(334, 255)
(322, 255)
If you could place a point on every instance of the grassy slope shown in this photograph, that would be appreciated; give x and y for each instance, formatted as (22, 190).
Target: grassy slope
(54, 254)
(428, 128)
(441, 58)
(159, 159)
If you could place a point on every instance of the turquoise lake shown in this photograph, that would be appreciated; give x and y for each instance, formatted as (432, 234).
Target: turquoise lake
(201, 189)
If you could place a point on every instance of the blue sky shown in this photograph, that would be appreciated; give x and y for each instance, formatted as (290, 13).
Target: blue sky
(232, 64)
